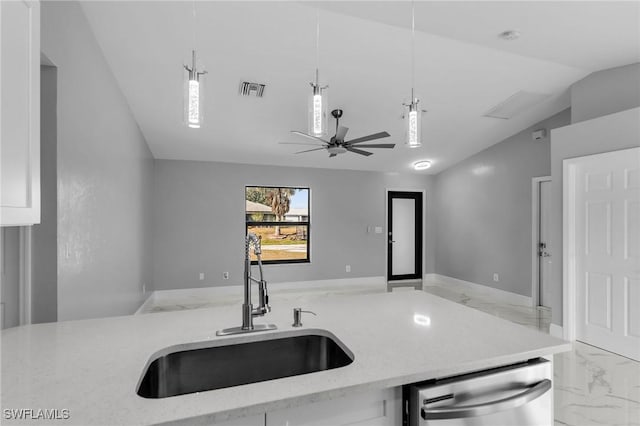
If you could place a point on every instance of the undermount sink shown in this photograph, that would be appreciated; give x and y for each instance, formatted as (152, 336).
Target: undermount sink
(198, 368)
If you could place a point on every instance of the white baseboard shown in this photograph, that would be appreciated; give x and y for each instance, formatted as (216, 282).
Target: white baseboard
(556, 331)
(494, 293)
(233, 292)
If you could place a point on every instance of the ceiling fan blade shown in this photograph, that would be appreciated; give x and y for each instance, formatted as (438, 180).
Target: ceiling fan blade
(333, 155)
(341, 133)
(369, 138)
(308, 136)
(380, 145)
(309, 150)
(300, 143)
(358, 151)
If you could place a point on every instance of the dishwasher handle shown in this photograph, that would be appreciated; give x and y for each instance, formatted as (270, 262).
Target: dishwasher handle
(463, 411)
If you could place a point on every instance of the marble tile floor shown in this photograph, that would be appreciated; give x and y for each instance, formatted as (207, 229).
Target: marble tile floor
(591, 386)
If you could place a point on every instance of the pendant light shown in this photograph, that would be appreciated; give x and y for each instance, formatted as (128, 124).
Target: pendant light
(414, 115)
(318, 99)
(193, 86)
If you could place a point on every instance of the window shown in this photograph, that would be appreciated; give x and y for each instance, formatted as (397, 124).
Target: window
(280, 217)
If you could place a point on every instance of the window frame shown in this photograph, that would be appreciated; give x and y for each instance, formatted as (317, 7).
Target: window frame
(307, 223)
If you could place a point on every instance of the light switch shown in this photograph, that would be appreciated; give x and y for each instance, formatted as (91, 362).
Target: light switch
(378, 229)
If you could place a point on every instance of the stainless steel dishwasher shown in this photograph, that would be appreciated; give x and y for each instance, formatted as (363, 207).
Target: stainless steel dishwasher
(515, 395)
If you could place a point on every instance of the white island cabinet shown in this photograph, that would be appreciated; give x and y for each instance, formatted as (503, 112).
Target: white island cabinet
(372, 408)
(20, 112)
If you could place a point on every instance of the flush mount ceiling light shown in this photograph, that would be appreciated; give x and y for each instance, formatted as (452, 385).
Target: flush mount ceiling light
(422, 165)
(413, 116)
(193, 86)
(318, 98)
(509, 35)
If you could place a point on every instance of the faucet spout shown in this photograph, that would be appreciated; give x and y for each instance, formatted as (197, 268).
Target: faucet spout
(248, 312)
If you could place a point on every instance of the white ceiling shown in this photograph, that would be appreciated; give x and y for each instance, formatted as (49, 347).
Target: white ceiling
(462, 70)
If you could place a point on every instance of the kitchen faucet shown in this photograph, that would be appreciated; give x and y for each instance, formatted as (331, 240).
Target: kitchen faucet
(248, 312)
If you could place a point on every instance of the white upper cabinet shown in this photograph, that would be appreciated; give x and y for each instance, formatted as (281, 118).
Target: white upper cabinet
(20, 112)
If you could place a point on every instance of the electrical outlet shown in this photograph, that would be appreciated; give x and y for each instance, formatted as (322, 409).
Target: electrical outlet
(201, 276)
(225, 275)
(144, 288)
(347, 268)
(496, 277)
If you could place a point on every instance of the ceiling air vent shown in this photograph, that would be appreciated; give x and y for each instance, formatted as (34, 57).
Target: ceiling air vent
(251, 89)
(515, 104)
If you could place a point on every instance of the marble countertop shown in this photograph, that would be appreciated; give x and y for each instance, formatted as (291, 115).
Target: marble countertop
(92, 367)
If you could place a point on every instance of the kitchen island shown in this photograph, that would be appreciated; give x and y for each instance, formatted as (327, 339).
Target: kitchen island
(92, 368)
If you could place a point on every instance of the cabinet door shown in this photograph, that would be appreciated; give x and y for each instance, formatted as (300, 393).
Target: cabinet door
(19, 112)
(374, 408)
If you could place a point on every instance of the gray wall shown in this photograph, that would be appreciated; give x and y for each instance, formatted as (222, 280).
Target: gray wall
(198, 221)
(10, 276)
(483, 211)
(609, 133)
(104, 176)
(599, 94)
(605, 92)
(44, 274)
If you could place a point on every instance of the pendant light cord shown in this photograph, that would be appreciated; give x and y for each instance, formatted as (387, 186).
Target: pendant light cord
(317, 45)
(413, 48)
(195, 22)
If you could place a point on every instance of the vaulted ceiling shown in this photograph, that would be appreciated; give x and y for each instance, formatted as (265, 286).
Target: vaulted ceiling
(462, 70)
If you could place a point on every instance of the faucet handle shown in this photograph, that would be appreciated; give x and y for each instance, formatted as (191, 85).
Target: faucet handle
(297, 316)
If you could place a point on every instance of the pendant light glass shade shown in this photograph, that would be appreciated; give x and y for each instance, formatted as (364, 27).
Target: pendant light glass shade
(193, 94)
(414, 125)
(318, 110)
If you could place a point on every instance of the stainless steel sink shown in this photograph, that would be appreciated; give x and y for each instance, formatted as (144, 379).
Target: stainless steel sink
(196, 368)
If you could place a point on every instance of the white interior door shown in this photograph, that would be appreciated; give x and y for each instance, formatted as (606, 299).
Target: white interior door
(607, 231)
(544, 255)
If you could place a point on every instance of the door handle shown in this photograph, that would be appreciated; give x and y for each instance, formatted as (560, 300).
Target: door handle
(475, 410)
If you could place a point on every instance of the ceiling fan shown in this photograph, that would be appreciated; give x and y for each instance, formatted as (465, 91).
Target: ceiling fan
(337, 145)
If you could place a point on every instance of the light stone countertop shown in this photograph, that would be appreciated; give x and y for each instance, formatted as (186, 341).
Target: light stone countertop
(92, 367)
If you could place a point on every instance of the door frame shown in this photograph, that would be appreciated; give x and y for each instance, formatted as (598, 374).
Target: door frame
(535, 231)
(25, 281)
(569, 268)
(386, 225)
